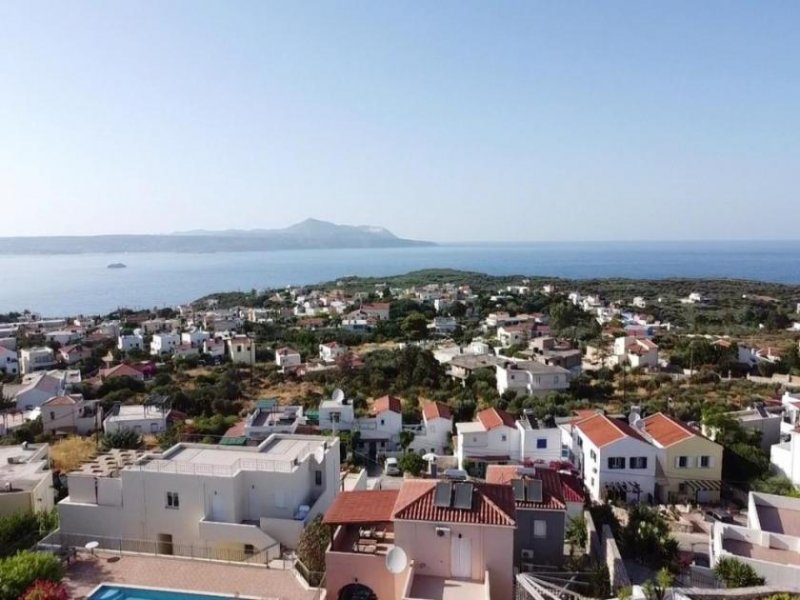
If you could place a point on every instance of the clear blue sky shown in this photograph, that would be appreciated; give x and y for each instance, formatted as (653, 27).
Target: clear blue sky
(444, 120)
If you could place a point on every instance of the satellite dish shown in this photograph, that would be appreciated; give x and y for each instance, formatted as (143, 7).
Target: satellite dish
(396, 560)
(338, 395)
(319, 454)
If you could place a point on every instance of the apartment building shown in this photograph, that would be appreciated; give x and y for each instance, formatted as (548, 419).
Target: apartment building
(202, 499)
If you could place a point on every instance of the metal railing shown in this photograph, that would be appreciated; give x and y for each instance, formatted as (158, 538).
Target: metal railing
(61, 542)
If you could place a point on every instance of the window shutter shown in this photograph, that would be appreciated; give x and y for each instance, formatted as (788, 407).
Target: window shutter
(677, 462)
(710, 461)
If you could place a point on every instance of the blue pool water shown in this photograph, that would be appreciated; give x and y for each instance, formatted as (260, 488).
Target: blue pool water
(113, 592)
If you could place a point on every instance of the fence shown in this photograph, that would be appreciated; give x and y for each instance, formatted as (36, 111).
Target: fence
(61, 542)
(698, 577)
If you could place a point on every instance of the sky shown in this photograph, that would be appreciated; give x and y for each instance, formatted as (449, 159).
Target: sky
(444, 121)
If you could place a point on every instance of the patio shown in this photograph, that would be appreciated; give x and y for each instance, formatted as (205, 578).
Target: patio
(86, 573)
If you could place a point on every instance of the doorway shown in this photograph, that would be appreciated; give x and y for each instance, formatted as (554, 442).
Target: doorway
(460, 557)
(164, 543)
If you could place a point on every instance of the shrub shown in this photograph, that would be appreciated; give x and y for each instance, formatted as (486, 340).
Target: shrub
(46, 590)
(736, 574)
(19, 572)
(125, 440)
(311, 549)
(411, 463)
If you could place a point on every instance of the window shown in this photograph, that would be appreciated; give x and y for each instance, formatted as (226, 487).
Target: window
(616, 462)
(172, 500)
(638, 462)
(682, 462)
(541, 443)
(318, 477)
(503, 438)
(592, 455)
(681, 488)
(52, 416)
(540, 529)
(705, 462)
(238, 349)
(383, 422)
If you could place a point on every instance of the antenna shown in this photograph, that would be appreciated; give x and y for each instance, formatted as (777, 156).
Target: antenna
(396, 560)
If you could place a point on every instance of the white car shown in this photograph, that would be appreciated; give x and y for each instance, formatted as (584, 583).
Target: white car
(391, 467)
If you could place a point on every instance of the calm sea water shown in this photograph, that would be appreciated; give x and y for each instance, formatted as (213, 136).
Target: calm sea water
(81, 284)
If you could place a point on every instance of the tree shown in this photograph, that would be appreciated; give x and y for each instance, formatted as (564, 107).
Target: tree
(46, 590)
(736, 574)
(125, 439)
(577, 534)
(311, 549)
(656, 589)
(647, 537)
(412, 463)
(20, 571)
(406, 438)
(415, 326)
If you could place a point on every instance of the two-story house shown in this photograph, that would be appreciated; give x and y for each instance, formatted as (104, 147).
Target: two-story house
(36, 358)
(71, 414)
(225, 502)
(432, 535)
(380, 432)
(269, 417)
(287, 358)
(336, 414)
(436, 430)
(164, 343)
(9, 364)
(614, 459)
(377, 310)
(330, 351)
(690, 464)
(531, 378)
(545, 502)
(133, 341)
(242, 350)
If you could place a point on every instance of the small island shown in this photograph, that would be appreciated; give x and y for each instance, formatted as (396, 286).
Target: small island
(117, 266)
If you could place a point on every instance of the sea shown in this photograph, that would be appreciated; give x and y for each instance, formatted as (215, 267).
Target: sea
(70, 285)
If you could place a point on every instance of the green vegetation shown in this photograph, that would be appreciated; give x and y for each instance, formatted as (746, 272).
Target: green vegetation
(736, 574)
(411, 463)
(20, 571)
(656, 588)
(647, 537)
(311, 549)
(124, 440)
(22, 530)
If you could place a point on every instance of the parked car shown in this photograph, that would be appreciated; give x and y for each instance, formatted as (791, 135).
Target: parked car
(723, 516)
(391, 467)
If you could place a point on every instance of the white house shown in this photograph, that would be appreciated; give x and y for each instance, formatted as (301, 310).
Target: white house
(140, 418)
(434, 434)
(185, 350)
(770, 543)
(269, 417)
(196, 337)
(785, 457)
(36, 389)
(496, 437)
(224, 502)
(337, 413)
(215, 348)
(444, 325)
(164, 343)
(71, 414)
(377, 310)
(330, 351)
(287, 357)
(242, 350)
(8, 361)
(531, 377)
(636, 352)
(614, 460)
(64, 337)
(380, 432)
(26, 481)
(36, 359)
(126, 343)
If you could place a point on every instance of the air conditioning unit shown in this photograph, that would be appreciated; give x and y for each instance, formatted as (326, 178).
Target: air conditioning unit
(526, 567)
(527, 554)
(442, 531)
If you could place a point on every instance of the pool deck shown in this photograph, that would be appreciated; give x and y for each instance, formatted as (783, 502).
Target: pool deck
(86, 573)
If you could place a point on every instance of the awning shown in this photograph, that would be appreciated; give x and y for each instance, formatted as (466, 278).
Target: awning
(623, 487)
(489, 458)
(703, 485)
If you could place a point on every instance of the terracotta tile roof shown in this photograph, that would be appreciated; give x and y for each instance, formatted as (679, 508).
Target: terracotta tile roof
(494, 417)
(602, 430)
(572, 488)
(491, 505)
(375, 506)
(551, 484)
(236, 430)
(377, 306)
(436, 410)
(286, 350)
(666, 430)
(122, 370)
(385, 403)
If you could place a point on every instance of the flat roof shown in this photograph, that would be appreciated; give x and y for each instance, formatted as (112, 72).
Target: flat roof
(275, 448)
(748, 550)
(779, 520)
(23, 473)
(134, 412)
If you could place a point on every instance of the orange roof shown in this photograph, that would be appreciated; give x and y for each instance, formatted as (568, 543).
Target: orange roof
(61, 401)
(374, 506)
(377, 306)
(666, 430)
(494, 417)
(602, 430)
(491, 504)
(122, 370)
(385, 403)
(437, 410)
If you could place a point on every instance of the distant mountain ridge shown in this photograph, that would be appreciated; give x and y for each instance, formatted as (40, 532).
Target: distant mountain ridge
(306, 235)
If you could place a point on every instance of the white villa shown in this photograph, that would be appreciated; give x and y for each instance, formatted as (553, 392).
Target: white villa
(269, 417)
(164, 343)
(36, 359)
(531, 377)
(126, 343)
(436, 430)
(287, 358)
(204, 500)
(141, 418)
(330, 351)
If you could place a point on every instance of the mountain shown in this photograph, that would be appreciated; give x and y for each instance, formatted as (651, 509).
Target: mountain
(309, 234)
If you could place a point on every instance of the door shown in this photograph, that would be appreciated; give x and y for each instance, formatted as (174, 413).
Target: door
(164, 543)
(217, 507)
(460, 557)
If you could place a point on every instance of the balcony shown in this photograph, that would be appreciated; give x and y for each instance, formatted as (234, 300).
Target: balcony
(238, 533)
(429, 587)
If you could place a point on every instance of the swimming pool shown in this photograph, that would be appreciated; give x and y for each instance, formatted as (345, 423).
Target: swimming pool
(124, 592)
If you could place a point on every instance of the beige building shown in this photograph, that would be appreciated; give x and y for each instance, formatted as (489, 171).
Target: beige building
(689, 464)
(203, 500)
(26, 481)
